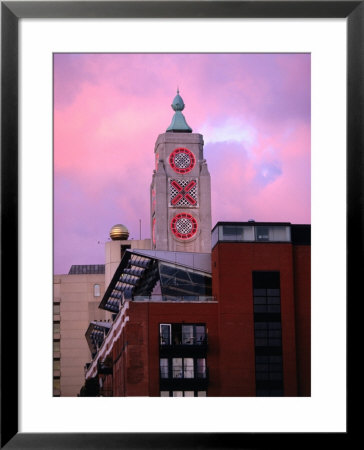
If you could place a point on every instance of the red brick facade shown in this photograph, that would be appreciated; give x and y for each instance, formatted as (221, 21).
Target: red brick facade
(134, 341)
(232, 268)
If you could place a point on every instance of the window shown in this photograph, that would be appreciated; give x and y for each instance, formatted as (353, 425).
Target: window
(188, 370)
(56, 308)
(56, 384)
(97, 290)
(187, 334)
(177, 368)
(56, 364)
(189, 393)
(268, 367)
(56, 346)
(56, 327)
(262, 233)
(182, 334)
(267, 334)
(201, 368)
(183, 394)
(183, 368)
(164, 367)
(165, 334)
(267, 301)
(177, 394)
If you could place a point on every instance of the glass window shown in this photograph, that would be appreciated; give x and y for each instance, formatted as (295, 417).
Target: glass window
(262, 367)
(280, 233)
(164, 393)
(201, 368)
(56, 327)
(97, 290)
(177, 367)
(275, 376)
(183, 283)
(275, 342)
(177, 393)
(56, 364)
(56, 384)
(260, 300)
(56, 308)
(273, 300)
(274, 333)
(164, 367)
(258, 292)
(274, 325)
(56, 346)
(261, 333)
(262, 233)
(229, 233)
(188, 371)
(200, 334)
(165, 334)
(187, 334)
(189, 393)
(201, 394)
(262, 376)
(262, 359)
(274, 292)
(274, 308)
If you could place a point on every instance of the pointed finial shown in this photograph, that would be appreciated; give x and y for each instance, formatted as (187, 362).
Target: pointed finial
(178, 104)
(179, 123)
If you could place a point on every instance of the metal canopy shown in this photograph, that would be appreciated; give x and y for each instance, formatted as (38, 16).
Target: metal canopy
(95, 335)
(178, 274)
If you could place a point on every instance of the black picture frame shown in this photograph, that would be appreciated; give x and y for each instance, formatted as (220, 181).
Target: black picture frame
(11, 12)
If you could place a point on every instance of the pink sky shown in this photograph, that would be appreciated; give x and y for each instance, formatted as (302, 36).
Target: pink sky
(252, 109)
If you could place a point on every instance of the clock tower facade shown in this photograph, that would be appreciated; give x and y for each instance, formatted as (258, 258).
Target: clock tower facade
(180, 189)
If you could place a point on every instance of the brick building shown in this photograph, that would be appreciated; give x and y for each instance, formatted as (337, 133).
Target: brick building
(233, 323)
(201, 313)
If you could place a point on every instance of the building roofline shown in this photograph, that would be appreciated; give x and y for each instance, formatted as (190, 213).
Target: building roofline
(251, 223)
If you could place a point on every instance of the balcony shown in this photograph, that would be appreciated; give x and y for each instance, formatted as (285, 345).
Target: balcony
(193, 347)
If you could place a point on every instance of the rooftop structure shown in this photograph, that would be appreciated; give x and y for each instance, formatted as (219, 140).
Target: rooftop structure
(159, 276)
(87, 269)
(252, 231)
(233, 323)
(178, 124)
(119, 232)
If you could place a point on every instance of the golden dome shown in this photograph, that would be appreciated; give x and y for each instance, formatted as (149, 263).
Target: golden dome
(119, 232)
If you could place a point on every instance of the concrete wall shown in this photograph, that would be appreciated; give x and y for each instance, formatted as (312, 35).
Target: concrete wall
(78, 307)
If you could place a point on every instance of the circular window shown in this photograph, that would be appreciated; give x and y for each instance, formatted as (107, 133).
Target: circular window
(184, 226)
(182, 160)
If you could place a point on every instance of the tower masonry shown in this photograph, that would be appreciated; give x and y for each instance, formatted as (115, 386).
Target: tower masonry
(180, 189)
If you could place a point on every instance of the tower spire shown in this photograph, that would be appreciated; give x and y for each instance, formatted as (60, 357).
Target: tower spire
(178, 124)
